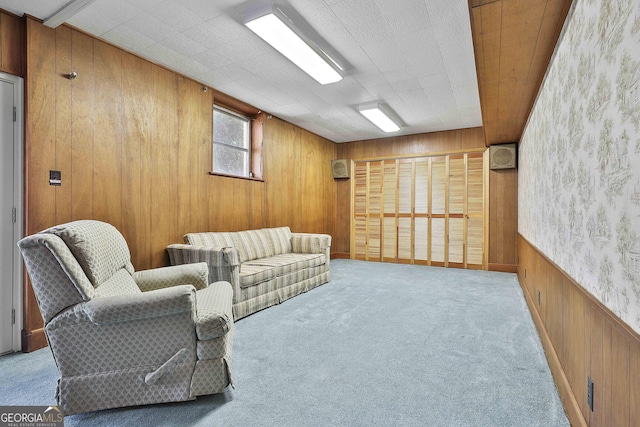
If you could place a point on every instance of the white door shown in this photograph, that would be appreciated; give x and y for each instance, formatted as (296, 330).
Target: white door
(7, 243)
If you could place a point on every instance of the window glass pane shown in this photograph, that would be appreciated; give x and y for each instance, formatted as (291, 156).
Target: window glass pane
(229, 129)
(231, 143)
(230, 161)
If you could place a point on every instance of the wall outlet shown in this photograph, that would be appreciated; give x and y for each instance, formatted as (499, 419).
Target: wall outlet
(590, 393)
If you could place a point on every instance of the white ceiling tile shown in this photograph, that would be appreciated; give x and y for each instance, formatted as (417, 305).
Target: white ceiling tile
(150, 27)
(184, 45)
(388, 7)
(93, 23)
(128, 38)
(116, 10)
(145, 4)
(176, 15)
(211, 59)
(208, 9)
(363, 20)
(407, 20)
(385, 55)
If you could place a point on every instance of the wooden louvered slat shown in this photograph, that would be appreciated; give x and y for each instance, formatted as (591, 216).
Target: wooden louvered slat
(389, 237)
(404, 186)
(404, 240)
(421, 237)
(437, 240)
(475, 186)
(360, 212)
(474, 241)
(438, 178)
(360, 238)
(456, 240)
(422, 186)
(456, 184)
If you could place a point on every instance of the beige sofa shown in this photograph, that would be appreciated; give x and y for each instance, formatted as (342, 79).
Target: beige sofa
(264, 267)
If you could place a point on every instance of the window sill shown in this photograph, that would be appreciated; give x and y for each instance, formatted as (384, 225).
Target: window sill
(247, 178)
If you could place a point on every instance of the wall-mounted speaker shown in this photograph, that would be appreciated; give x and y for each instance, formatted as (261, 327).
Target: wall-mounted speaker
(503, 156)
(340, 168)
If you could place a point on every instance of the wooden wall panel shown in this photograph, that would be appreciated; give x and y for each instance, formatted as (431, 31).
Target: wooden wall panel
(300, 190)
(136, 149)
(133, 142)
(582, 339)
(513, 43)
(12, 36)
(503, 219)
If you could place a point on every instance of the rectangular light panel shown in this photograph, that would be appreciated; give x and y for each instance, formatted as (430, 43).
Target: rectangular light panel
(275, 32)
(377, 116)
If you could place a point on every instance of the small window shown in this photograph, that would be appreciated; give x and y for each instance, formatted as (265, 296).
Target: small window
(231, 143)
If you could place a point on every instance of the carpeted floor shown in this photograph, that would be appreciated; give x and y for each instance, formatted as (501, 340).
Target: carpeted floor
(379, 345)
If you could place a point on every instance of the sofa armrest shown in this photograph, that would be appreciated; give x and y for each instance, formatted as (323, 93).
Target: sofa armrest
(307, 243)
(145, 305)
(223, 263)
(164, 277)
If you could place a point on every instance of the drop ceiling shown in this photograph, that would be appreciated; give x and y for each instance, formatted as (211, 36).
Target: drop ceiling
(414, 55)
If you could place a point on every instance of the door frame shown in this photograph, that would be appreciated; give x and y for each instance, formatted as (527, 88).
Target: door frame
(18, 202)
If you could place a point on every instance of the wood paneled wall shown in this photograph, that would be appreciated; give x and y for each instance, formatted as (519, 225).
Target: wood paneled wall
(503, 215)
(582, 338)
(503, 219)
(133, 142)
(12, 44)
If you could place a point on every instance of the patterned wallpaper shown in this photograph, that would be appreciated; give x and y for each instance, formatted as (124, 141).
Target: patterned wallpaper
(579, 164)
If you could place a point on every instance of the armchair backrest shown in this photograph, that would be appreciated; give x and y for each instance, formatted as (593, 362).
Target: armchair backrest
(76, 262)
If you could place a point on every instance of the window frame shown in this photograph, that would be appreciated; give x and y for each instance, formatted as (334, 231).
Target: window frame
(247, 152)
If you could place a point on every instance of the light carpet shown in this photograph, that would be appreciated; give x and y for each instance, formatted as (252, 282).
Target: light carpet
(379, 345)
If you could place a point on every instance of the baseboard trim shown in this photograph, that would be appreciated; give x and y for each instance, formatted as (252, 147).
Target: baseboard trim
(505, 268)
(34, 340)
(340, 255)
(562, 383)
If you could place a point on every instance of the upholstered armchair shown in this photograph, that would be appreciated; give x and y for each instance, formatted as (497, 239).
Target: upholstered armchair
(121, 337)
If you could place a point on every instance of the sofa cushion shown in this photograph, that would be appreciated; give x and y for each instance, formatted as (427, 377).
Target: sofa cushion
(280, 239)
(260, 270)
(253, 244)
(210, 239)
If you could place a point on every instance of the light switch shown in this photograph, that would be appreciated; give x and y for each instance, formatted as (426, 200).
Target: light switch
(55, 178)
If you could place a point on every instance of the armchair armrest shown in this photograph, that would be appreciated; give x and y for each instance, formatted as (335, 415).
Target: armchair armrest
(130, 307)
(308, 243)
(164, 277)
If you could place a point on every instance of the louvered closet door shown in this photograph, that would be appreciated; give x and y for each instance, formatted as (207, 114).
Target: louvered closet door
(405, 203)
(359, 232)
(457, 198)
(427, 210)
(421, 212)
(374, 209)
(475, 211)
(438, 208)
(389, 220)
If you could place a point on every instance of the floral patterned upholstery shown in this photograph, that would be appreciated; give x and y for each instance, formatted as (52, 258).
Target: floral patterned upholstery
(124, 338)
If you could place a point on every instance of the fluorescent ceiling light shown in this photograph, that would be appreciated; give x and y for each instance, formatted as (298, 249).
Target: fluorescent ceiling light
(280, 36)
(379, 117)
